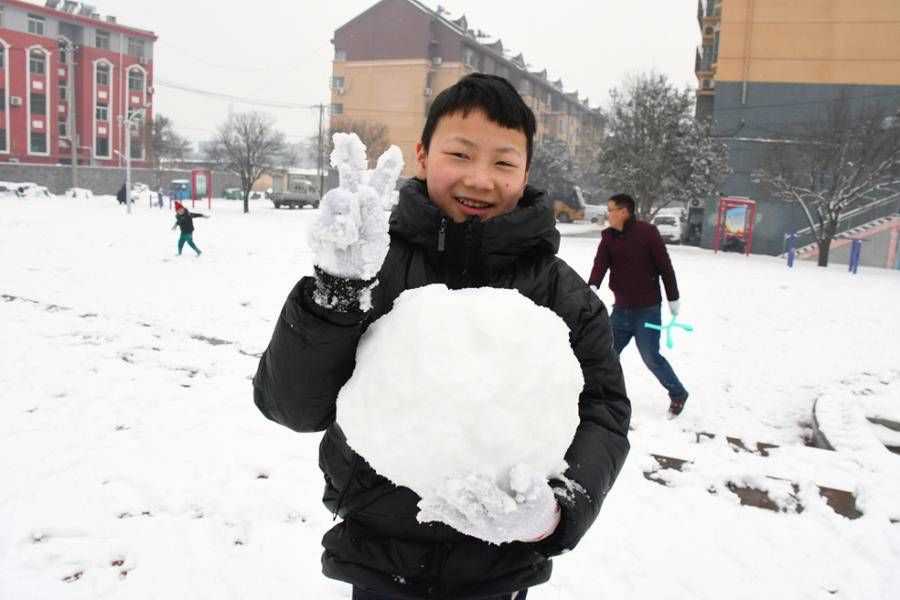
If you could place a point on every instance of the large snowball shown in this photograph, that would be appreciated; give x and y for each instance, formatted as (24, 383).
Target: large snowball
(451, 382)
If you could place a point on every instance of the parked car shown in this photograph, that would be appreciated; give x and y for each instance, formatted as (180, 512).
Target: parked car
(300, 194)
(80, 193)
(670, 228)
(31, 190)
(595, 213)
(233, 194)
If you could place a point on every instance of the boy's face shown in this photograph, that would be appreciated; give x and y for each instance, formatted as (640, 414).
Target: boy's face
(474, 166)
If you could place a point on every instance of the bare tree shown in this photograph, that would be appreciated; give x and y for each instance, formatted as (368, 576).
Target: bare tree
(655, 150)
(166, 145)
(553, 168)
(833, 164)
(374, 134)
(248, 144)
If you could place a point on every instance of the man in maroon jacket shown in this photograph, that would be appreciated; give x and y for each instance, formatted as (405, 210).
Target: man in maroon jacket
(636, 255)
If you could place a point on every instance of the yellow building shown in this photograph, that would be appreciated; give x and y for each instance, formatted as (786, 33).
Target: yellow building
(765, 67)
(392, 59)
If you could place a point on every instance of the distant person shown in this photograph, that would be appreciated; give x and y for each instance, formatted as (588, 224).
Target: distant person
(122, 194)
(159, 197)
(636, 256)
(185, 220)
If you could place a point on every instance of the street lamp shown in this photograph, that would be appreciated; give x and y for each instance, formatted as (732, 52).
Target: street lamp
(132, 118)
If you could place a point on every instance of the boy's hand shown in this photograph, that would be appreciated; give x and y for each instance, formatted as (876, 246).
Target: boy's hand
(350, 238)
(477, 506)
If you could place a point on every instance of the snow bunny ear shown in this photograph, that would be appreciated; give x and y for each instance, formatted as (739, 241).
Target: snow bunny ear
(349, 158)
(384, 176)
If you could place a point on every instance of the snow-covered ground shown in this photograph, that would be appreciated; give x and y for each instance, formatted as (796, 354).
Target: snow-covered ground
(134, 464)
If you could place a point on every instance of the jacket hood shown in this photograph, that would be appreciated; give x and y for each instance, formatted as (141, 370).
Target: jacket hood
(530, 227)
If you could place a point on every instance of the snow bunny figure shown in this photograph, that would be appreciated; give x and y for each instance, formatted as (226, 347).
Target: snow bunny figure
(467, 219)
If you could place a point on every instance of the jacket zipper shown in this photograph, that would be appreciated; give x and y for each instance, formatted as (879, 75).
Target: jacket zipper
(442, 235)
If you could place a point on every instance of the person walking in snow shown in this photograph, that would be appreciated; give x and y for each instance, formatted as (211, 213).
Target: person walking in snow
(185, 220)
(122, 194)
(636, 256)
(467, 219)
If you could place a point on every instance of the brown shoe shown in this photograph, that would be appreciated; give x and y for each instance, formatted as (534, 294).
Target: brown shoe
(676, 406)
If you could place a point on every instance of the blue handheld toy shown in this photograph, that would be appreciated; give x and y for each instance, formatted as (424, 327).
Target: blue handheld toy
(668, 329)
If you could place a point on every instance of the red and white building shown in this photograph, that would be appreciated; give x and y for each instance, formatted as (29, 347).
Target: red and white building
(68, 76)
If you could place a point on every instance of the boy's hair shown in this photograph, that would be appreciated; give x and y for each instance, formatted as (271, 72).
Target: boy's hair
(625, 200)
(494, 95)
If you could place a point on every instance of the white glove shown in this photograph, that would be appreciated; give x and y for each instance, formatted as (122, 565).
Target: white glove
(475, 505)
(674, 306)
(350, 238)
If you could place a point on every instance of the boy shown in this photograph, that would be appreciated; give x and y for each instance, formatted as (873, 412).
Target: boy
(467, 219)
(185, 220)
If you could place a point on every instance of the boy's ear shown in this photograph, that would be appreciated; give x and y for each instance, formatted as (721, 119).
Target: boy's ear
(421, 155)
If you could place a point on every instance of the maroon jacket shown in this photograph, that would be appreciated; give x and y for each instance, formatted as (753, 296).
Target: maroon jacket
(638, 258)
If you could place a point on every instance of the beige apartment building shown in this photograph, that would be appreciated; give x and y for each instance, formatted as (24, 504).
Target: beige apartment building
(392, 59)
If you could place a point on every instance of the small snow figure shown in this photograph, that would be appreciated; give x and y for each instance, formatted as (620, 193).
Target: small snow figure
(185, 220)
(467, 220)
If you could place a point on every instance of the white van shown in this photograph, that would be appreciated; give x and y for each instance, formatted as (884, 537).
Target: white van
(669, 227)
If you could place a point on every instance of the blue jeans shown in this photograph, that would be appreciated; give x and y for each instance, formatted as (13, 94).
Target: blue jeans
(361, 594)
(629, 322)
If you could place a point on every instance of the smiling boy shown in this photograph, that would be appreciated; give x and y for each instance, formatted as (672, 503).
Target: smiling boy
(468, 219)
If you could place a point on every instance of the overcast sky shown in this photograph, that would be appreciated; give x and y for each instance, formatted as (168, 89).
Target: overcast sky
(280, 51)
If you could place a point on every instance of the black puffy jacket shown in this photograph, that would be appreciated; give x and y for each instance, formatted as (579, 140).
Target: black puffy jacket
(379, 545)
(185, 220)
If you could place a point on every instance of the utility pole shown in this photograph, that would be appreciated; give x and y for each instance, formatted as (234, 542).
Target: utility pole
(70, 118)
(319, 153)
(128, 122)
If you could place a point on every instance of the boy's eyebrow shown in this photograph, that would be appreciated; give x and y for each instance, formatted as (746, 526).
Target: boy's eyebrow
(470, 144)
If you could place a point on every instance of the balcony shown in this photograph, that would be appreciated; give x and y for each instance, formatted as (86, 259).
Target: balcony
(703, 62)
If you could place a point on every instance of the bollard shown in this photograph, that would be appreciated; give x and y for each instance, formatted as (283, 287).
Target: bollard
(855, 251)
(792, 239)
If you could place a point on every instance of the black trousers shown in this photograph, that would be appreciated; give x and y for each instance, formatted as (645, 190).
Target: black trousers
(360, 594)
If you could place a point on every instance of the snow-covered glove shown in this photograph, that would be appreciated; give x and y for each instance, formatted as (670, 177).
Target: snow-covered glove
(475, 505)
(350, 238)
(674, 307)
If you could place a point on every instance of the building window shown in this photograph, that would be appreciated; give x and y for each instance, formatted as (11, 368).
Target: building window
(103, 75)
(340, 55)
(470, 57)
(136, 47)
(337, 83)
(2, 99)
(137, 149)
(102, 112)
(3, 139)
(2, 56)
(35, 24)
(525, 87)
(102, 148)
(101, 39)
(37, 62)
(337, 109)
(38, 104)
(38, 142)
(135, 80)
(63, 127)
